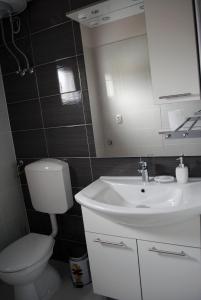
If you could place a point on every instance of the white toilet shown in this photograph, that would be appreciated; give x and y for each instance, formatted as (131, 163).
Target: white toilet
(23, 262)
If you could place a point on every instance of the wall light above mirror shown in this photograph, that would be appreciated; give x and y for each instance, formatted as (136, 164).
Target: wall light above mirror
(143, 77)
(106, 12)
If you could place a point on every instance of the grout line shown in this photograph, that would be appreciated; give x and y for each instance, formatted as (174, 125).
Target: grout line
(32, 33)
(57, 60)
(25, 130)
(43, 97)
(9, 73)
(46, 128)
(69, 3)
(54, 61)
(41, 112)
(21, 101)
(58, 94)
(59, 157)
(46, 63)
(87, 137)
(16, 40)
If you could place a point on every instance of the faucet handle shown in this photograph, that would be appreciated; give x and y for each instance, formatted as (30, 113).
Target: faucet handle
(142, 165)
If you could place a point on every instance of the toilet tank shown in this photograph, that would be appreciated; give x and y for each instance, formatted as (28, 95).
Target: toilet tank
(49, 185)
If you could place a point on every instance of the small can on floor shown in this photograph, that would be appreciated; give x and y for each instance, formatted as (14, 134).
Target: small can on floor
(80, 271)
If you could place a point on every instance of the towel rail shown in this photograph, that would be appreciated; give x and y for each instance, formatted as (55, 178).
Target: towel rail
(181, 132)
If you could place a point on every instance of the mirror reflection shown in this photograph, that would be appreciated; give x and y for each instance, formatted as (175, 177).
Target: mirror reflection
(129, 119)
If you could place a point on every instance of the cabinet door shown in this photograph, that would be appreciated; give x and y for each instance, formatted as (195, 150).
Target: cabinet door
(114, 266)
(172, 50)
(169, 272)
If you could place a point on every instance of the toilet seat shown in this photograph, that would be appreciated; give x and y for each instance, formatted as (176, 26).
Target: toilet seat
(25, 252)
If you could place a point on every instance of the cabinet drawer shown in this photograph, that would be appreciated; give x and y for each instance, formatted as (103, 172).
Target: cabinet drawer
(114, 266)
(169, 272)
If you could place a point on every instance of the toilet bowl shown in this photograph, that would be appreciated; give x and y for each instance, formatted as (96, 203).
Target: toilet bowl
(22, 262)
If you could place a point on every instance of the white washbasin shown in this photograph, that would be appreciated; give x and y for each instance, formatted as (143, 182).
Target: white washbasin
(127, 200)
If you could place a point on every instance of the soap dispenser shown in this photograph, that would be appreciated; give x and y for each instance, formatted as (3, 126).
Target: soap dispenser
(181, 171)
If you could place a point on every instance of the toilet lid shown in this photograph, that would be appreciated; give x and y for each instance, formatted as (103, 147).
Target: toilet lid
(25, 252)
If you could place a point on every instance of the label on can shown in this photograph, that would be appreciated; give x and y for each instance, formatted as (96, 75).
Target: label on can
(80, 271)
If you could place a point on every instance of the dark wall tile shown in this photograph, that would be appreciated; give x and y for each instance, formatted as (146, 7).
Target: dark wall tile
(83, 77)
(24, 27)
(76, 209)
(78, 38)
(30, 144)
(58, 40)
(71, 228)
(61, 110)
(91, 142)
(194, 164)
(64, 249)
(21, 171)
(86, 103)
(118, 166)
(27, 198)
(80, 171)
(67, 141)
(8, 63)
(39, 222)
(25, 115)
(19, 88)
(46, 13)
(164, 165)
(80, 3)
(58, 77)
(167, 165)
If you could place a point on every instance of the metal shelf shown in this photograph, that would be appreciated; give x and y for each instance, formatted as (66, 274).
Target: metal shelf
(188, 129)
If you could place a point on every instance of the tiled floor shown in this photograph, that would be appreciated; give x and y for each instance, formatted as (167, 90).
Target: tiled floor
(67, 290)
(70, 293)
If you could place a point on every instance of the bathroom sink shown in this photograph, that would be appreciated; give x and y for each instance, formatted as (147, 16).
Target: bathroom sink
(127, 200)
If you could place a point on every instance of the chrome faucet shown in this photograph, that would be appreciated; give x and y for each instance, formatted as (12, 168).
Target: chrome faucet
(142, 169)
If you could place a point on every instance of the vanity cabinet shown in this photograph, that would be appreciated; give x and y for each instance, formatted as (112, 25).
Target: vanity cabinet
(120, 267)
(162, 262)
(172, 50)
(114, 266)
(169, 272)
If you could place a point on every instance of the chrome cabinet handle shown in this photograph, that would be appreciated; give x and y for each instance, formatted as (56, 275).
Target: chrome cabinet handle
(121, 244)
(175, 96)
(154, 249)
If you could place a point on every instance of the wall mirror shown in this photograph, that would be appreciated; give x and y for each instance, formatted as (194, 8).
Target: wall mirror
(125, 71)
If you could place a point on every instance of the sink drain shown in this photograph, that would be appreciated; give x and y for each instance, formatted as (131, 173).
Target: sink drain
(142, 206)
